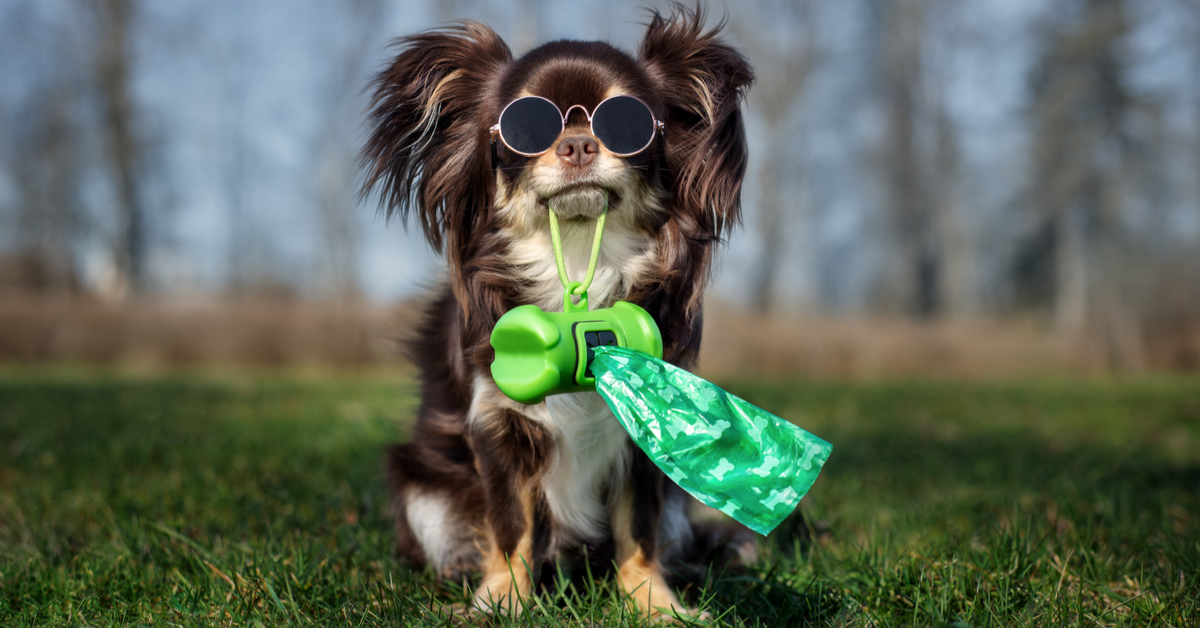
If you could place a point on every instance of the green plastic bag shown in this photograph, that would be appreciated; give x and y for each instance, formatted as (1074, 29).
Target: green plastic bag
(729, 454)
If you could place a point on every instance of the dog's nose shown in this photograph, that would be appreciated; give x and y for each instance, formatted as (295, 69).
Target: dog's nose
(578, 150)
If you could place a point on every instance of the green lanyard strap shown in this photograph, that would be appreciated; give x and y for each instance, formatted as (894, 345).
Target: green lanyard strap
(576, 288)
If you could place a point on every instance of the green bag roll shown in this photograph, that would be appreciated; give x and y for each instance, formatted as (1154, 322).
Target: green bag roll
(725, 452)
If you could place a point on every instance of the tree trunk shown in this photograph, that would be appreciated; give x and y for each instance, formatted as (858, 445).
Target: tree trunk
(914, 274)
(770, 224)
(114, 71)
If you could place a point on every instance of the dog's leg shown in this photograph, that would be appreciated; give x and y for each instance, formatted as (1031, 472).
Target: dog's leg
(511, 452)
(635, 524)
(436, 505)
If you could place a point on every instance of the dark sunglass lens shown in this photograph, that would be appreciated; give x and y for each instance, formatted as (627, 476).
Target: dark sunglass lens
(624, 124)
(530, 125)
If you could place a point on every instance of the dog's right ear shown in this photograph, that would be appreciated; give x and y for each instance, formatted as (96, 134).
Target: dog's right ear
(702, 81)
(427, 148)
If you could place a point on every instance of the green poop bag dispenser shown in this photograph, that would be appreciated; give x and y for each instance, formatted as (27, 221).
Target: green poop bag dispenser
(545, 353)
(725, 452)
(542, 353)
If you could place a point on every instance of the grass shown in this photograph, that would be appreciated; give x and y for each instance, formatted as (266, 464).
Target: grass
(256, 499)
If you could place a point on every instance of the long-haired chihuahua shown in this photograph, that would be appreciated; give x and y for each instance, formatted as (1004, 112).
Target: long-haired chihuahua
(479, 147)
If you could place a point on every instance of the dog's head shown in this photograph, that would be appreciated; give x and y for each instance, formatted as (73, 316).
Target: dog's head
(435, 148)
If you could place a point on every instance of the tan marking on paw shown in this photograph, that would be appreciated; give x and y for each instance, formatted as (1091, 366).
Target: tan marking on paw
(507, 580)
(640, 575)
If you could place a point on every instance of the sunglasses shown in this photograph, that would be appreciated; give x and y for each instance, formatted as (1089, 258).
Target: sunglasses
(530, 125)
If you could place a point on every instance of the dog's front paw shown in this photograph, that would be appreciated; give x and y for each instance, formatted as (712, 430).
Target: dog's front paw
(498, 594)
(642, 580)
(695, 615)
(679, 615)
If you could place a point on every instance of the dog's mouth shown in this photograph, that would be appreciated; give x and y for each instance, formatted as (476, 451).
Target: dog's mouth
(580, 201)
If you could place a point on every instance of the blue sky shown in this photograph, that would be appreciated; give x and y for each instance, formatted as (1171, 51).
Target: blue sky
(237, 97)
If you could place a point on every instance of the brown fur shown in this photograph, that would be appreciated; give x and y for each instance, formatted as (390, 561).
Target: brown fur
(478, 458)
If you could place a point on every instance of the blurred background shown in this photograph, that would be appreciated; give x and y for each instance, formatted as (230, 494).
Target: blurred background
(988, 188)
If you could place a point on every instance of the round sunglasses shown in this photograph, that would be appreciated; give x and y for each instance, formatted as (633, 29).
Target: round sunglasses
(530, 125)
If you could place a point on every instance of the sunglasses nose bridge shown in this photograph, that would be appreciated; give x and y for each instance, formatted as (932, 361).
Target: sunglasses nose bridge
(566, 116)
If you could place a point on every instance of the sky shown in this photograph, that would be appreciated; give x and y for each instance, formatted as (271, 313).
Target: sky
(246, 102)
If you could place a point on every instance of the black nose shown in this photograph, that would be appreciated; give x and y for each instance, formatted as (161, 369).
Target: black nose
(578, 150)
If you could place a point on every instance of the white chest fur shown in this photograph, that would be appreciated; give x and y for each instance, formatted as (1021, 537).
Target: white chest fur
(589, 454)
(626, 256)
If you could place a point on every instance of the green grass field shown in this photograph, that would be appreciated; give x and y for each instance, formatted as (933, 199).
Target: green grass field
(257, 499)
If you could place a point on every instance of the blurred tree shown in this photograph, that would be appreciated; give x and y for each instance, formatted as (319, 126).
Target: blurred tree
(1193, 37)
(339, 105)
(783, 59)
(48, 175)
(1076, 257)
(41, 146)
(927, 272)
(238, 167)
(113, 70)
(910, 274)
(956, 288)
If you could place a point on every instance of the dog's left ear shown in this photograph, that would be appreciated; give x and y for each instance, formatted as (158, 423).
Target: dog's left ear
(702, 82)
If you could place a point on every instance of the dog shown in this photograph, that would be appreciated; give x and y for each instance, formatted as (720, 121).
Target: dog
(462, 139)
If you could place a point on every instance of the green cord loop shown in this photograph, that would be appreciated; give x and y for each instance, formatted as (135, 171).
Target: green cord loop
(576, 288)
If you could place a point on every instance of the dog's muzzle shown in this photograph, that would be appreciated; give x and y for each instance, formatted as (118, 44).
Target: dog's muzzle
(579, 203)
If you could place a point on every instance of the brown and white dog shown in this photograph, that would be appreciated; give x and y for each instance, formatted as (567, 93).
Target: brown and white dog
(487, 483)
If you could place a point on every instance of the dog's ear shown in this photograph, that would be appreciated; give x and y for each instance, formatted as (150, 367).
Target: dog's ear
(702, 82)
(427, 145)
